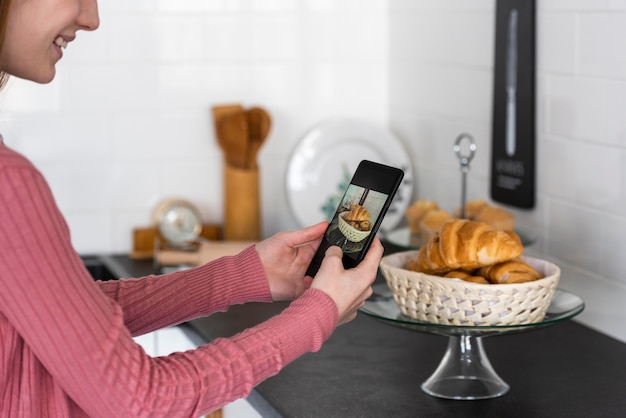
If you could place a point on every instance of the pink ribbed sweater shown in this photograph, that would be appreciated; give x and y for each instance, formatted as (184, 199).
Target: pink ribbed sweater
(66, 347)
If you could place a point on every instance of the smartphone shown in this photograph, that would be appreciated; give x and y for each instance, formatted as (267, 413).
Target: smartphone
(359, 214)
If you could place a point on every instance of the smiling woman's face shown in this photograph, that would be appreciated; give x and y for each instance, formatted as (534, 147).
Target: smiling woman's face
(38, 31)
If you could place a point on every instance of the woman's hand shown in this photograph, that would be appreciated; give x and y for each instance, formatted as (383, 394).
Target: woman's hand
(348, 288)
(285, 258)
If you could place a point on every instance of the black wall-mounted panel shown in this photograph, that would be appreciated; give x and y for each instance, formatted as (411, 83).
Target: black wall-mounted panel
(513, 131)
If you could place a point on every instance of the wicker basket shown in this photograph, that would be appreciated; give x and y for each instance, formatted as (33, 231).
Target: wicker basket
(440, 300)
(351, 234)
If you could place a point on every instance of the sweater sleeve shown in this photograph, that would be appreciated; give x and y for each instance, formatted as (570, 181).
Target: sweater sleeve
(155, 302)
(79, 335)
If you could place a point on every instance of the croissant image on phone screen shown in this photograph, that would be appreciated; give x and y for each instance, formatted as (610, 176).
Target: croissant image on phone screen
(360, 213)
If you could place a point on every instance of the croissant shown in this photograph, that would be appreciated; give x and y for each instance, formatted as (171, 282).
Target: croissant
(497, 217)
(472, 208)
(467, 276)
(420, 207)
(511, 271)
(480, 211)
(467, 245)
(432, 222)
(416, 212)
(357, 213)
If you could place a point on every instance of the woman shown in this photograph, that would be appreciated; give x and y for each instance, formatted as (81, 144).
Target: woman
(66, 346)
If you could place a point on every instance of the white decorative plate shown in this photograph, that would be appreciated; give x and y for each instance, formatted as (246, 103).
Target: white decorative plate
(324, 161)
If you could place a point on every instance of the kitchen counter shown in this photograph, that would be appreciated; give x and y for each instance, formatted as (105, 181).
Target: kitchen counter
(370, 369)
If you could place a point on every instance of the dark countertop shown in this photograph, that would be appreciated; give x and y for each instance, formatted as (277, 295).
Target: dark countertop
(370, 369)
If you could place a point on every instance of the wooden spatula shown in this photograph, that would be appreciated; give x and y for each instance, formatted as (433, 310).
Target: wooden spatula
(259, 124)
(218, 114)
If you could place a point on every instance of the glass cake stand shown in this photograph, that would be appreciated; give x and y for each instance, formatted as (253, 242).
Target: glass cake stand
(465, 372)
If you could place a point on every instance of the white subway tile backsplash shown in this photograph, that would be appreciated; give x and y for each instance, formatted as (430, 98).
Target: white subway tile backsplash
(611, 263)
(105, 88)
(127, 121)
(178, 135)
(101, 185)
(449, 6)
(572, 5)
(557, 168)
(530, 224)
(121, 229)
(88, 47)
(599, 173)
(435, 42)
(322, 83)
(276, 213)
(574, 235)
(273, 37)
(226, 39)
(106, 7)
(79, 137)
(616, 113)
(130, 185)
(432, 40)
(273, 6)
(616, 4)
(281, 82)
(79, 187)
(542, 103)
(454, 92)
(180, 38)
(556, 49)
(25, 97)
(191, 87)
(199, 6)
(134, 39)
(574, 171)
(577, 108)
(318, 39)
(91, 230)
(604, 301)
(601, 44)
(348, 7)
(199, 180)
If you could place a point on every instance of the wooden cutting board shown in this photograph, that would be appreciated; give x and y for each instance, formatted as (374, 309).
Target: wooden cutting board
(207, 251)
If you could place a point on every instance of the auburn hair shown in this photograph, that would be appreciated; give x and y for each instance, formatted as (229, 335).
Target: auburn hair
(5, 6)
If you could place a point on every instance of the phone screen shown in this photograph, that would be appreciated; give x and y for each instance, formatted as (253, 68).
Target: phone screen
(360, 213)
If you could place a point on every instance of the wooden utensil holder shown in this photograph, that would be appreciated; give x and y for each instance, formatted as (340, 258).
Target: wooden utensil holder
(242, 197)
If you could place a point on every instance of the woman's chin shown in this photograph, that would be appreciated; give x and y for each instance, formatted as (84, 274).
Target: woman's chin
(41, 75)
(45, 78)
(37, 78)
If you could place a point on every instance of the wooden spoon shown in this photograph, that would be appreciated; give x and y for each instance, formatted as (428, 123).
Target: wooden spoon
(218, 113)
(259, 124)
(233, 129)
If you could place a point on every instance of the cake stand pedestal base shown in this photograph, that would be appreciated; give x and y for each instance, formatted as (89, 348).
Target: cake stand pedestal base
(465, 372)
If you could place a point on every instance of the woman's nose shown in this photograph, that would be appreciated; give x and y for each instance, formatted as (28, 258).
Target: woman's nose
(88, 18)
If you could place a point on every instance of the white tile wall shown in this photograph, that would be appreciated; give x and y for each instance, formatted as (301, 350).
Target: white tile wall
(126, 123)
(443, 52)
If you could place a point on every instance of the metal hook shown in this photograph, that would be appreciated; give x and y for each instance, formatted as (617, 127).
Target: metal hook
(465, 159)
(465, 162)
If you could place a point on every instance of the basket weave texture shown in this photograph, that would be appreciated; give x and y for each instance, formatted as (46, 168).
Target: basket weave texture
(446, 301)
(352, 234)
